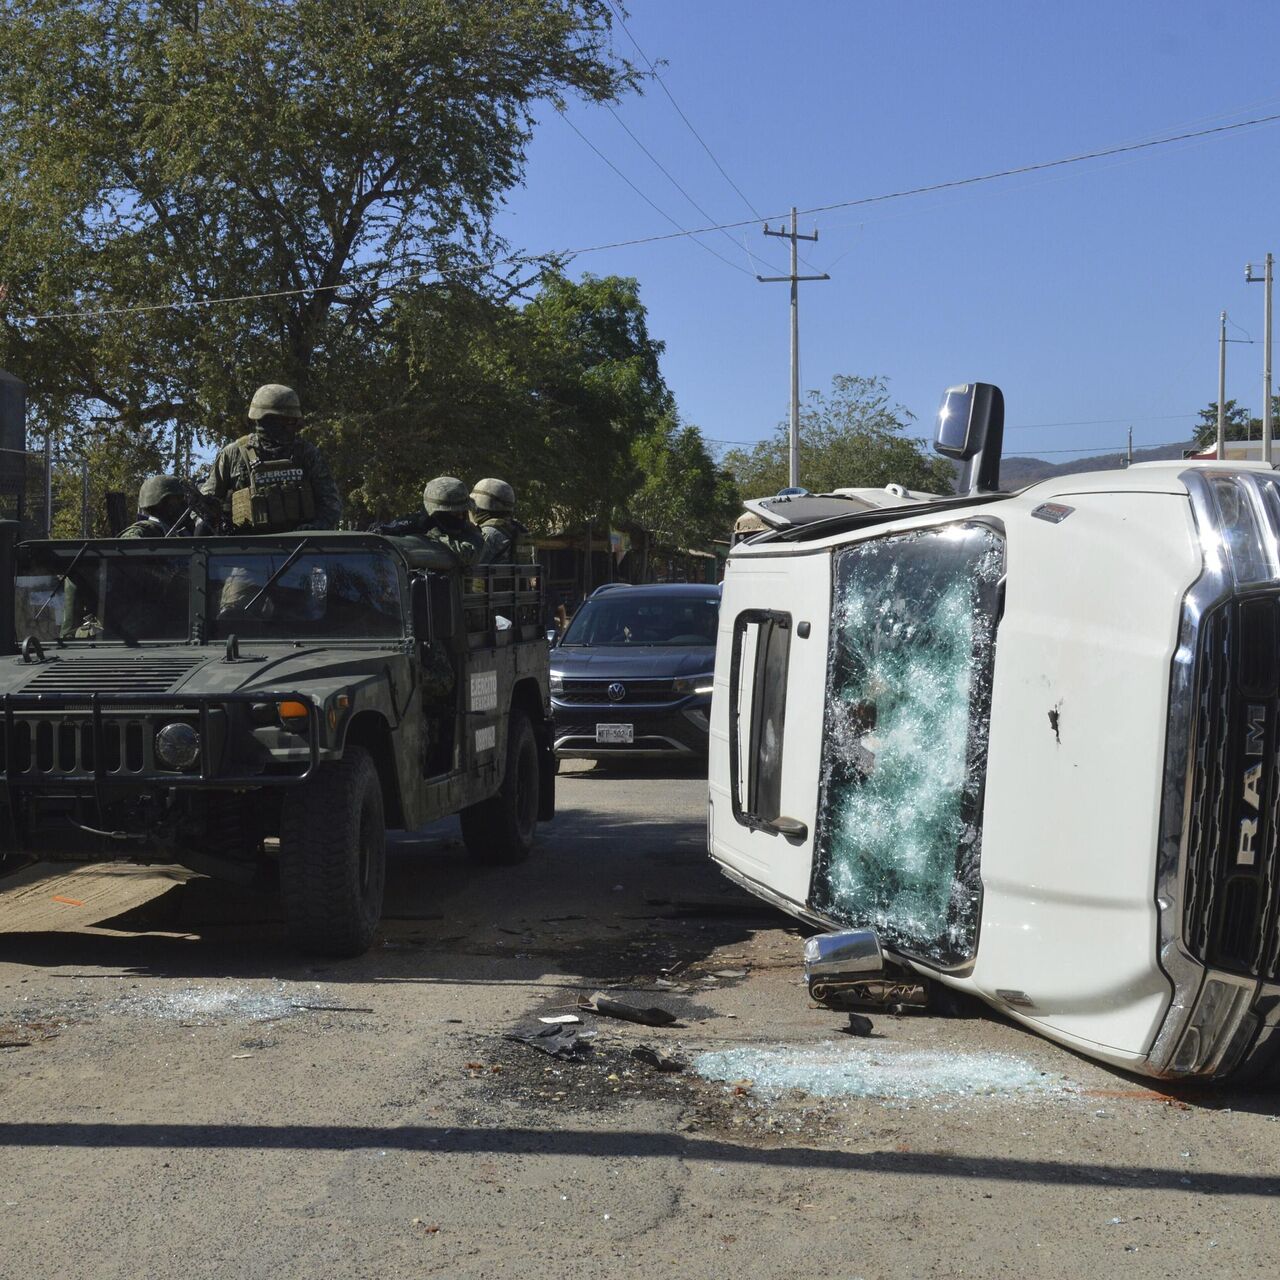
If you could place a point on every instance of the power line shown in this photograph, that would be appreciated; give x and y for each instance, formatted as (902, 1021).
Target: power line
(700, 243)
(1100, 422)
(666, 173)
(662, 84)
(1092, 450)
(696, 231)
(702, 142)
(175, 306)
(950, 185)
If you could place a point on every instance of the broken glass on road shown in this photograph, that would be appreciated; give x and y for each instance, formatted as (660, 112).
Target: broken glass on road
(904, 743)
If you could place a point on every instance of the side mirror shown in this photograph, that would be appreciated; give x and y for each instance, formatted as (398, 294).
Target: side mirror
(971, 430)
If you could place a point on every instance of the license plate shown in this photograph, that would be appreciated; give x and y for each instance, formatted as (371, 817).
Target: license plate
(615, 733)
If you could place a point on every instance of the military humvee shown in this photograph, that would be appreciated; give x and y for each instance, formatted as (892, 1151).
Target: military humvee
(261, 709)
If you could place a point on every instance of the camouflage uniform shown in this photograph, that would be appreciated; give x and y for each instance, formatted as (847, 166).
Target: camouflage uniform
(464, 540)
(501, 536)
(232, 467)
(446, 502)
(145, 527)
(273, 451)
(494, 504)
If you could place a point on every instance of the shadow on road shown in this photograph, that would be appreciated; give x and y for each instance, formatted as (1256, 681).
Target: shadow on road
(613, 1145)
(604, 897)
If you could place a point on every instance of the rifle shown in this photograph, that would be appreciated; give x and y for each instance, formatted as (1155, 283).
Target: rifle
(204, 515)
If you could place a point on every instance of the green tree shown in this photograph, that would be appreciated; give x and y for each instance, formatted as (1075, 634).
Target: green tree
(1237, 424)
(552, 396)
(850, 438)
(189, 150)
(684, 499)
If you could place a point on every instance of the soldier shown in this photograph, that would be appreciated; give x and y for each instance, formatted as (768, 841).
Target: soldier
(162, 502)
(270, 481)
(445, 500)
(494, 505)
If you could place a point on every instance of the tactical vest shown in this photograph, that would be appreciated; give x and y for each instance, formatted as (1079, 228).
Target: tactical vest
(279, 496)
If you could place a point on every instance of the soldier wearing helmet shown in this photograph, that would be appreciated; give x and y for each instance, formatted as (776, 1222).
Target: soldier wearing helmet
(448, 506)
(270, 481)
(162, 502)
(494, 504)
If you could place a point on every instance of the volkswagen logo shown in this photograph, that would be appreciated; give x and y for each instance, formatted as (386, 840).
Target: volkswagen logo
(617, 692)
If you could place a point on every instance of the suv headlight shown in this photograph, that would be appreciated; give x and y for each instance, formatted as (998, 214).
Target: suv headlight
(694, 684)
(557, 683)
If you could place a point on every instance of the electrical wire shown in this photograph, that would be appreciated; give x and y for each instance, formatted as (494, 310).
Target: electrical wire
(662, 84)
(1099, 422)
(176, 306)
(950, 185)
(666, 173)
(702, 142)
(700, 243)
(686, 233)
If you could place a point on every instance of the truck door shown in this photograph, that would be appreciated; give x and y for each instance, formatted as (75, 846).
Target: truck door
(899, 835)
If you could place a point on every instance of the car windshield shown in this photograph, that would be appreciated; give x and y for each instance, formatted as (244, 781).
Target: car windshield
(686, 621)
(131, 593)
(125, 597)
(321, 593)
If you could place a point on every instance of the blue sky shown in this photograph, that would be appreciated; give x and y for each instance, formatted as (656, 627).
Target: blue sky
(1087, 293)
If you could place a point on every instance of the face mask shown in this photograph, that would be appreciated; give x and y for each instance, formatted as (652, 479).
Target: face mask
(275, 433)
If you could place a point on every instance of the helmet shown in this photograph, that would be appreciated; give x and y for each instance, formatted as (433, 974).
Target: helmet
(274, 399)
(494, 495)
(155, 489)
(445, 494)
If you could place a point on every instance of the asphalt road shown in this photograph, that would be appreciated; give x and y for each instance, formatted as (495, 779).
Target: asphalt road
(181, 1096)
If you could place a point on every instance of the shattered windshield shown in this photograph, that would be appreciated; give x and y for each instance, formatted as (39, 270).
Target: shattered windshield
(904, 743)
(128, 597)
(344, 594)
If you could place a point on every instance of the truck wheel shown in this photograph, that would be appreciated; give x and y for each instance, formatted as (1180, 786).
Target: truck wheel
(499, 831)
(333, 857)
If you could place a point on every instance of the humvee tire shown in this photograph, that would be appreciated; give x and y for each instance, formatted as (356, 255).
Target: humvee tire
(499, 831)
(333, 857)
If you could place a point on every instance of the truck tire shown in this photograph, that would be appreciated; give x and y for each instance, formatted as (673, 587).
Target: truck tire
(333, 857)
(499, 831)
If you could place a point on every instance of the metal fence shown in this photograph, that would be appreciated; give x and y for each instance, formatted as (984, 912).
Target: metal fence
(45, 496)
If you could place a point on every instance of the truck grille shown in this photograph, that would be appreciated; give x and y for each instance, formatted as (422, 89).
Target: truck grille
(62, 746)
(112, 675)
(596, 692)
(1231, 909)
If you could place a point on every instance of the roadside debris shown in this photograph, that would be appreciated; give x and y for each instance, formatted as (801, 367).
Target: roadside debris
(559, 1041)
(223, 1002)
(839, 1070)
(859, 1025)
(658, 1061)
(562, 1020)
(610, 1008)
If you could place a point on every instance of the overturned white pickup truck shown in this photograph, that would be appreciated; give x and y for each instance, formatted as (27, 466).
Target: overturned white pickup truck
(1021, 744)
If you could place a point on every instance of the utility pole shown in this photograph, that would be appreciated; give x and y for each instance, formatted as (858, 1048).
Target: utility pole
(48, 482)
(1264, 279)
(1129, 455)
(1220, 453)
(794, 280)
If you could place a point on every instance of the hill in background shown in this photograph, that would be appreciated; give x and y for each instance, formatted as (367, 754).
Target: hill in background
(1017, 473)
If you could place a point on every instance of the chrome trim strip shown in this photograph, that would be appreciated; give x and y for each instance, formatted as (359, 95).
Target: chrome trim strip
(1185, 973)
(773, 898)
